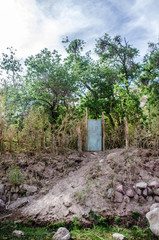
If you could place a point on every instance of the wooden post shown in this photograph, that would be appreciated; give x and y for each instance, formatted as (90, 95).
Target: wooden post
(103, 129)
(79, 139)
(86, 128)
(126, 132)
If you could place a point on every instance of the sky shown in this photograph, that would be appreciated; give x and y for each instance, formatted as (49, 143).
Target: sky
(31, 25)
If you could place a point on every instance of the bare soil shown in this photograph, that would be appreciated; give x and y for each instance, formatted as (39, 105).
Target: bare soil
(73, 184)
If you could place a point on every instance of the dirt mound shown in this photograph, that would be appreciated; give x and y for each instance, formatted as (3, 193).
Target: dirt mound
(102, 182)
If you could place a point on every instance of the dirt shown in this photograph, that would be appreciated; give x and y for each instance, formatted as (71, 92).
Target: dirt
(74, 184)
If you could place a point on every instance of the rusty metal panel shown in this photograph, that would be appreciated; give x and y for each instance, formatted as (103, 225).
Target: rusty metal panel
(94, 135)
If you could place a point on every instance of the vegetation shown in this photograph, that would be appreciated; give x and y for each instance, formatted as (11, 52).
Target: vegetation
(43, 98)
(77, 233)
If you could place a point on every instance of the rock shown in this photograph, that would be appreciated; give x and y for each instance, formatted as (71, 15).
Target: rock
(155, 205)
(126, 199)
(19, 203)
(62, 234)
(141, 185)
(110, 193)
(153, 184)
(149, 198)
(15, 196)
(18, 233)
(118, 236)
(149, 191)
(136, 198)
(156, 191)
(2, 205)
(1, 189)
(142, 199)
(119, 188)
(111, 156)
(118, 197)
(15, 189)
(145, 193)
(153, 218)
(138, 191)
(156, 199)
(130, 193)
(30, 189)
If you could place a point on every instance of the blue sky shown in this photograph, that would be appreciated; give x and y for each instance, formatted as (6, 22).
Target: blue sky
(31, 25)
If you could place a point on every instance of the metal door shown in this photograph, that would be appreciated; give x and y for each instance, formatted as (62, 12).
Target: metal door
(94, 135)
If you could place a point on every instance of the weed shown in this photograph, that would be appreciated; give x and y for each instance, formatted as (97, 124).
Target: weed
(118, 220)
(135, 215)
(15, 176)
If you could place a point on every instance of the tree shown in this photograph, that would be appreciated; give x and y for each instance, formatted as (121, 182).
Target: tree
(120, 55)
(12, 84)
(49, 83)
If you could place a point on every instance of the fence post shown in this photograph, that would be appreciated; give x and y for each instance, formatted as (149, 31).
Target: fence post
(103, 129)
(79, 139)
(126, 132)
(86, 128)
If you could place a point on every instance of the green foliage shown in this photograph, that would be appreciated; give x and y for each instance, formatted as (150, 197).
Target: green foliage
(14, 175)
(118, 220)
(98, 220)
(135, 215)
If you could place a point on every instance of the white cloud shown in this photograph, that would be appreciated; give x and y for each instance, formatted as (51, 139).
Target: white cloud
(31, 25)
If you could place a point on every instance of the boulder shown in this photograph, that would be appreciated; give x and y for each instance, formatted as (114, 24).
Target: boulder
(153, 218)
(62, 234)
(155, 205)
(19, 203)
(141, 185)
(118, 236)
(18, 233)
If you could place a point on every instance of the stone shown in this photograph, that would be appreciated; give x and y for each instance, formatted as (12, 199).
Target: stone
(156, 191)
(119, 188)
(153, 218)
(149, 191)
(149, 198)
(118, 197)
(130, 193)
(1, 189)
(18, 233)
(126, 199)
(153, 184)
(2, 205)
(142, 199)
(138, 191)
(145, 193)
(156, 198)
(141, 185)
(19, 203)
(118, 236)
(111, 156)
(15, 196)
(62, 234)
(155, 205)
(110, 193)
(136, 198)
(29, 189)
